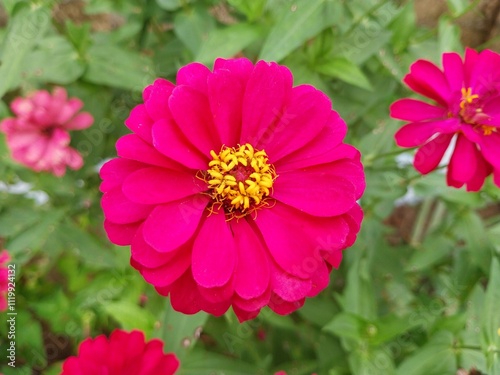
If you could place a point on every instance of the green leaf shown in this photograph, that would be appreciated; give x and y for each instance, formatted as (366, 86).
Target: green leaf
(111, 65)
(26, 27)
(437, 357)
(130, 316)
(302, 20)
(434, 249)
(180, 331)
(54, 61)
(171, 4)
(32, 238)
(15, 219)
(227, 42)
(89, 249)
(207, 363)
(490, 323)
(193, 27)
(403, 27)
(449, 36)
(251, 9)
(348, 326)
(345, 70)
(460, 7)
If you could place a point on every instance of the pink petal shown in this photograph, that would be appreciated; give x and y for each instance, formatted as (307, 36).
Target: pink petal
(470, 63)
(214, 252)
(241, 67)
(453, 70)
(140, 123)
(252, 270)
(320, 280)
(120, 234)
(483, 170)
(496, 177)
(254, 303)
(132, 147)
(288, 287)
(427, 79)
(486, 76)
(184, 296)
(316, 192)
(268, 90)
(415, 110)
(148, 257)
(217, 294)
(156, 185)
(418, 133)
(226, 101)
(120, 210)
(194, 75)
(463, 163)
(171, 142)
(286, 241)
(173, 224)
(114, 172)
(429, 155)
(23, 107)
(157, 101)
(191, 112)
(168, 273)
(490, 144)
(282, 307)
(244, 315)
(304, 117)
(324, 148)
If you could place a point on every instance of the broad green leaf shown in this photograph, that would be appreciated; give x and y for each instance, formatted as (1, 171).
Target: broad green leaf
(365, 361)
(433, 250)
(251, 9)
(193, 27)
(403, 27)
(200, 362)
(130, 316)
(26, 28)
(15, 219)
(348, 326)
(437, 357)
(227, 42)
(180, 331)
(490, 323)
(302, 20)
(55, 61)
(345, 70)
(33, 238)
(363, 42)
(88, 248)
(171, 4)
(114, 66)
(449, 36)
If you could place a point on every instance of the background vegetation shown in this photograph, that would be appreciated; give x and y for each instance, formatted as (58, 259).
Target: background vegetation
(418, 294)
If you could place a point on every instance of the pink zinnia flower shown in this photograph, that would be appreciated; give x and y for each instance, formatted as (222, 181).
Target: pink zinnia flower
(123, 353)
(234, 190)
(4, 279)
(466, 110)
(38, 136)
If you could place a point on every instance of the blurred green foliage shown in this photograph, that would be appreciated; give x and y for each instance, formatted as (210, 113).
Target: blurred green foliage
(419, 297)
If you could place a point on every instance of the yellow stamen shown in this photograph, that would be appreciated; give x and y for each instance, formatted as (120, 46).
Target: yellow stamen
(467, 97)
(488, 130)
(240, 179)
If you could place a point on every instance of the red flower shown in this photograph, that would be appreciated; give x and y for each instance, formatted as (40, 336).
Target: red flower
(234, 190)
(466, 110)
(39, 136)
(122, 354)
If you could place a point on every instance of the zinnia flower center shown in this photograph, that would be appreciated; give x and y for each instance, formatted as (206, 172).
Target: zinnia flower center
(240, 178)
(472, 113)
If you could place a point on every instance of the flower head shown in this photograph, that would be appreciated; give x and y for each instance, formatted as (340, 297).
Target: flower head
(466, 110)
(235, 189)
(124, 353)
(4, 279)
(38, 136)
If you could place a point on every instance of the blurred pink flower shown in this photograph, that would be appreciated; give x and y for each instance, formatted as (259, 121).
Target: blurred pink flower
(466, 110)
(38, 136)
(123, 353)
(235, 189)
(4, 279)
